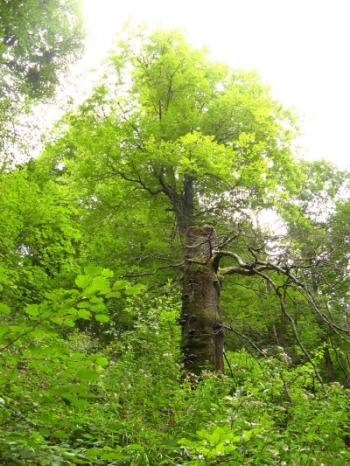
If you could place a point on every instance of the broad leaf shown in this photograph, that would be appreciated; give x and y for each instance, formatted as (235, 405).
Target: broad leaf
(4, 309)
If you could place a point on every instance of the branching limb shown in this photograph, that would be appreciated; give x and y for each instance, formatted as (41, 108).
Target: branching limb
(244, 337)
(295, 331)
(228, 362)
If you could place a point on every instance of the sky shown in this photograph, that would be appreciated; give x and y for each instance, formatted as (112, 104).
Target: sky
(299, 47)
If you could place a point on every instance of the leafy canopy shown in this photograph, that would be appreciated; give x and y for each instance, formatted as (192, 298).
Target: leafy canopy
(172, 122)
(38, 41)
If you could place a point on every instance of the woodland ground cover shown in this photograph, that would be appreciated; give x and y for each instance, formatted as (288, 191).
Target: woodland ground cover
(70, 400)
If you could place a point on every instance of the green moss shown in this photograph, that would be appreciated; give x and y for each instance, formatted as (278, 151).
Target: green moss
(198, 230)
(198, 267)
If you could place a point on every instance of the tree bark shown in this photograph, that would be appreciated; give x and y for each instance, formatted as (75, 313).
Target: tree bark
(202, 332)
(278, 333)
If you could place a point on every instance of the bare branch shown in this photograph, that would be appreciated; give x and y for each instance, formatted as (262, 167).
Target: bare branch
(142, 274)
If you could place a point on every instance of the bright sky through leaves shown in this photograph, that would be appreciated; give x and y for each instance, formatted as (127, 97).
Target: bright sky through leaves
(299, 47)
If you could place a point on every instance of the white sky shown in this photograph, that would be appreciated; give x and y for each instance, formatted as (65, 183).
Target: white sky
(299, 47)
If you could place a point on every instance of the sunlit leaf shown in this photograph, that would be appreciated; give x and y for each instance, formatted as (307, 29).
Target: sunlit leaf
(134, 290)
(92, 270)
(102, 361)
(120, 284)
(135, 447)
(38, 333)
(102, 318)
(98, 307)
(82, 281)
(32, 310)
(115, 294)
(84, 314)
(4, 309)
(83, 304)
(96, 299)
(87, 374)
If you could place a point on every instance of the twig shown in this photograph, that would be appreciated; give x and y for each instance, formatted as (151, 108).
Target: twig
(228, 362)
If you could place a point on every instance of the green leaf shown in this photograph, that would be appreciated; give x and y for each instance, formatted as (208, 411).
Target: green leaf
(92, 270)
(69, 454)
(4, 309)
(102, 361)
(135, 447)
(98, 307)
(38, 333)
(115, 294)
(134, 290)
(61, 463)
(84, 304)
(27, 454)
(96, 299)
(82, 281)
(91, 291)
(3, 330)
(17, 328)
(102, 318)
(77, 356)
(120, 284)
(84, 314)
(102, 284)
(52, 296)
(69, 323)
(107, 273)
(49, 330)
(87, 374)
(32, 310)
(110, 456)
(92, 452)
(247, 434)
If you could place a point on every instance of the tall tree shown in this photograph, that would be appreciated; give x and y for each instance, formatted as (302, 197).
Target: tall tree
(208, 141)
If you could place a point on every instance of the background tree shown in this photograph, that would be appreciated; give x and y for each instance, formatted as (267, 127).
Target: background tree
(39, 240)
(38, 40)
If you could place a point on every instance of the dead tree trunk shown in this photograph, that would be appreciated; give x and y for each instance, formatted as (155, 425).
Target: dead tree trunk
(202, 333)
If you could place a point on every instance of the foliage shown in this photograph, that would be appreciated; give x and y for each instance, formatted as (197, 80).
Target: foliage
(207, 140)
(39, 236)
(91, 367)
(43, 373)
(38, 40)
(64, 403)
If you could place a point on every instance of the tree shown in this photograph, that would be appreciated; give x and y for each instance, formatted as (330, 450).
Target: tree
(38, 244)
(38, 40)
(207, 143)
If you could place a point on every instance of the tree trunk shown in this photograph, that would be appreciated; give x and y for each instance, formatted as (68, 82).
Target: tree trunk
(329, 364)
(202, 333)
(278, 333)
